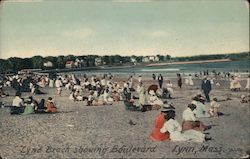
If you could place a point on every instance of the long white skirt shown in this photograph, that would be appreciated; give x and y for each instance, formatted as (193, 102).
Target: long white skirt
(189, 135)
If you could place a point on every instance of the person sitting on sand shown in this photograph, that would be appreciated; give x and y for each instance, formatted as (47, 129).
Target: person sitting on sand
(175, 130)
(40, 106)
(77, 96)
(116, 96)
(68, 86)
(200, 111)
(130, 105)
(127, 94)
(29, 108)
(190, 121)
(213, 111)
(106, 97)
(50, 106)
(17, 104)
(90, 98)
(153, 99)
(156, 135)
(72, 95)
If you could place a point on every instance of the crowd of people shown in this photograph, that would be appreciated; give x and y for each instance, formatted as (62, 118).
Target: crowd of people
(30, 105)
(103, 90)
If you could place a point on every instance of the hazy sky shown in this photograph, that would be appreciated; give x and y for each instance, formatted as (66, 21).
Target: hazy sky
(141, 27)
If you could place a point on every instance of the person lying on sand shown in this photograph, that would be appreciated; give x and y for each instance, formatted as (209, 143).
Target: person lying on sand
(29, 108)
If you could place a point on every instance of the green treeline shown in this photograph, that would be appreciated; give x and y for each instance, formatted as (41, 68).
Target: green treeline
(37, 62)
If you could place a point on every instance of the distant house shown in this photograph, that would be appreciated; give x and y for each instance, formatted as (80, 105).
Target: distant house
(77, 63)
(69, 64)
(156, 59)
(150, 59)
(145, 59)
(133, 60)
(48, 64)
(98, 61)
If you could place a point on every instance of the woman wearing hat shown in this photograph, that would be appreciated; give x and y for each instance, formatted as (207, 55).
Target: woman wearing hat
(200, 111)
(29, 109)
(156, 135)
(190, 121)
(175, 130)
(154, 100)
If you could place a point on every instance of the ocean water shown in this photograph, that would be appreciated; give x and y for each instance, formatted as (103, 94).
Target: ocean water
(172, 69)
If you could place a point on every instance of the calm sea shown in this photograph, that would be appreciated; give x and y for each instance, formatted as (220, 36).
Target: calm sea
(172, 69)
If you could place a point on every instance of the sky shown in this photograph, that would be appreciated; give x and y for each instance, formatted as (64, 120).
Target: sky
(123, 27)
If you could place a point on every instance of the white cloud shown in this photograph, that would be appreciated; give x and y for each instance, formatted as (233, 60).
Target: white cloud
(81, 33)
(156, 33)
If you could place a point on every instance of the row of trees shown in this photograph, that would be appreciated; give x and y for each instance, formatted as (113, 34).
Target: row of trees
(234, 57)
(37, 62)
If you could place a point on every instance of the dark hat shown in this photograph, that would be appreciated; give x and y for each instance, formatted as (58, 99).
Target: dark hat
(167, 107)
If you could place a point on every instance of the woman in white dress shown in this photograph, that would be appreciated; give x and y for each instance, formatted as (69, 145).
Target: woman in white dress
(232, 83)
(201, 110)
(187, 81)
(174, 128)
(237, 84)
(153, 99)
(141, 92)
(190, 80)
(51, 83)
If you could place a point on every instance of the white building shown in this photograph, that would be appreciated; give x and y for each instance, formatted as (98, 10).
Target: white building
(98, 61)
(133, 60)
(48, 64)
(69, 64)
(150, 59)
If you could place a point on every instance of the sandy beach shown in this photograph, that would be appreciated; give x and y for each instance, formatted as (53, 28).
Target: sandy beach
(78, 131)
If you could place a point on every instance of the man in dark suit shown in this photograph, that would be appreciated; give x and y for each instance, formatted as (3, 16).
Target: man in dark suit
(160, 80)
(206, 87)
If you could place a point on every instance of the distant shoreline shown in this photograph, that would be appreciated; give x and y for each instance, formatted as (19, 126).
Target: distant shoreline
(189, 62)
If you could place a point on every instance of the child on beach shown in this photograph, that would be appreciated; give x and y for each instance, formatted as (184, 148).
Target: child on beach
(50, 105)
(59, 91)
(213, 111)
